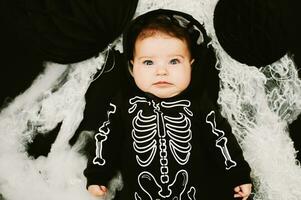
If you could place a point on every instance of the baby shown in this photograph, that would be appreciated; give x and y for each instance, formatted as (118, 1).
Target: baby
(168, 141)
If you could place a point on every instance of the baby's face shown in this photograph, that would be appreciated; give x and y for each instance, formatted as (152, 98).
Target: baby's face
(161, 65)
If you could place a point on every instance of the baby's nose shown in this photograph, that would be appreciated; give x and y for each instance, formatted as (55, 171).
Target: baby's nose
(161, 70)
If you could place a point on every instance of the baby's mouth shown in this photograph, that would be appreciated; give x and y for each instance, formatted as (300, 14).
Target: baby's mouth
(162, 83)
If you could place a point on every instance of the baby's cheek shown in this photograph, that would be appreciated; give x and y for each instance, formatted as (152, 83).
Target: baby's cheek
(184, 81)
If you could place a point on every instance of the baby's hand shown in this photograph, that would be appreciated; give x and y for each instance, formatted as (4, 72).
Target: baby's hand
(97, 190)
(243, 191)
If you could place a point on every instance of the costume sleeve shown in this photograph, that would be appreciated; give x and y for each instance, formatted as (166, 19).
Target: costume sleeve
(223, 145)
(226, 150)
(103, 163)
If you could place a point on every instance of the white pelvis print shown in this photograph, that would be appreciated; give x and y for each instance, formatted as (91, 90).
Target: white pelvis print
(172, 132)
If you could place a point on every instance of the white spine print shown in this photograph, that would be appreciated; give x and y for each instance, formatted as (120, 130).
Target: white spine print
(221, 141)
(163, 147)
(172, 132)
(102, 136)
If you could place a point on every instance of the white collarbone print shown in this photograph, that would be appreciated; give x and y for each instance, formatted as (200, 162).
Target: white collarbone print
(221, 141)
(155, 133)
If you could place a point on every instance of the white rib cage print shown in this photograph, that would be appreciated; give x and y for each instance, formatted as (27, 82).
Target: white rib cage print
(155, 133)
(144, 142)
(177, 128)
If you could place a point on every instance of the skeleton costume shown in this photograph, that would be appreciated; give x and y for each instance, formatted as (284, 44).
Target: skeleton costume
(172, 148)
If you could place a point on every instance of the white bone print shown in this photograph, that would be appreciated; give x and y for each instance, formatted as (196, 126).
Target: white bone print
(221, 141)
(191, 193)
(135, 100)
(178, 129)
(101, 137)
(147, 182)
(144, 141)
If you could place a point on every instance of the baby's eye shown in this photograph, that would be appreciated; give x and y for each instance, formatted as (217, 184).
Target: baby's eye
(174, 61)
(148, 62)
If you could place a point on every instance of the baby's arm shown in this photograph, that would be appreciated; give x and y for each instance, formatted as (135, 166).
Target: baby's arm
(243, 191)
(97, 190)
(103, 156)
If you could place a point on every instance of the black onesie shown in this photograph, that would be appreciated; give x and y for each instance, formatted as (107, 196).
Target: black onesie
(174, 148)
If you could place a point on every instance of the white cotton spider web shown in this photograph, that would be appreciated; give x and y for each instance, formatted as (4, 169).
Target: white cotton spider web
(283, 88)
(56, 96)
(259, 103)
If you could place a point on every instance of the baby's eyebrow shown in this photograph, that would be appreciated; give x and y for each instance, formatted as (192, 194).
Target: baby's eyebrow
(145, 57)
(172, 56)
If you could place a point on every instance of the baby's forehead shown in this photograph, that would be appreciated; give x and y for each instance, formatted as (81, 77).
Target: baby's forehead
(151, 32)
(154, 40)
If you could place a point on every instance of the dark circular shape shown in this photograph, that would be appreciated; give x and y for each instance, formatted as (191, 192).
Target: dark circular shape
(73, 30)
(252, 31)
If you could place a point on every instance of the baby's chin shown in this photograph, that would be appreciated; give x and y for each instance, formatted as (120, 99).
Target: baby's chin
(165, 95)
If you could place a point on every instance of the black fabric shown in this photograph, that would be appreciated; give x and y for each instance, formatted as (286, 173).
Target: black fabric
(71, 31)
(66, 31)
(100, 93)
(257, 32)
(63, 31)
(20, 58)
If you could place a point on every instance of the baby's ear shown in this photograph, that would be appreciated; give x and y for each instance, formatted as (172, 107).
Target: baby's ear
(130, 67)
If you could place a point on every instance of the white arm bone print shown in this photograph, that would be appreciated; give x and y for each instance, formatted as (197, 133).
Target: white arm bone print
(101, 137)
(221, 141)
(170, 130)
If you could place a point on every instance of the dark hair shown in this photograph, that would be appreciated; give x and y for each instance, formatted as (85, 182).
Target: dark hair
(158, 23)
(173, 23)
